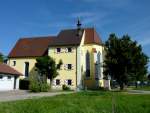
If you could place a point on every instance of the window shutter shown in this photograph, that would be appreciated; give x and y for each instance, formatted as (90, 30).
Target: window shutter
(65, 66)
(73, 49)
(66, 50)
(66, 82)
(61, 67)
(72, 82)
(61, 50)
(55, 50)
(54, 82)
(72, 66)
(61, 81)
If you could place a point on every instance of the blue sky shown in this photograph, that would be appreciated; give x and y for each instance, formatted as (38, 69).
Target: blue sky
(27, 18)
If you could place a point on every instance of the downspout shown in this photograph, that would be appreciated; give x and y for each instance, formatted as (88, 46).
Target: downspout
(76, 68)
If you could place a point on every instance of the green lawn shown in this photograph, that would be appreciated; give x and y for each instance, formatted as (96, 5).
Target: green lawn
(146, 88)
(83, 102)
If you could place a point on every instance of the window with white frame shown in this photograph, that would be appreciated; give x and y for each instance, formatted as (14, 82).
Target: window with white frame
(69, 82)
(1, 77)
(59, 67)
(69, 66)
(14, 63)
(9, 77)
(58, 50)
(57, 81)
(69, 49)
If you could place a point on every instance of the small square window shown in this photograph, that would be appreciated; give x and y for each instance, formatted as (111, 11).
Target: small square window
(69, 82)
(58, 66)
(1, 76)
(14, 63)
(9, 77)
(69, 66)
(57, 82)
(58, 50)
(69, 49)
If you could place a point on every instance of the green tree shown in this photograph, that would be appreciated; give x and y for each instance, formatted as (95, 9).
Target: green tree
(125, 60)
(47, 68)
(148, 76)
(1, 58)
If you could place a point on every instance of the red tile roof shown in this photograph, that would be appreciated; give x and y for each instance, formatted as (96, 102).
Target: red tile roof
(38, 46)
(70, 37)
(91, 36)
(5, 69)
(31, 47)
(67, 37)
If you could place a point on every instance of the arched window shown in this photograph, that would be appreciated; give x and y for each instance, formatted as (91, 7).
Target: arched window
(98, 57)
(87, 64)
(98, 68)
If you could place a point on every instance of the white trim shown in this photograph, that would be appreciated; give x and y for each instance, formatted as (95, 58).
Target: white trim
(78, 64)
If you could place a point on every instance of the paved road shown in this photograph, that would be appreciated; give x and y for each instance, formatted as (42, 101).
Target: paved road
(21, 94)
(138, 92)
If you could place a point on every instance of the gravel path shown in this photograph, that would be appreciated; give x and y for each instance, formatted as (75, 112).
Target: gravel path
(21, 94)
(138, 92)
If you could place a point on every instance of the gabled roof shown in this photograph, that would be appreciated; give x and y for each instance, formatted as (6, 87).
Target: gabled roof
(38, 46)
(5, 69)
(67, 37)
(91, 36)
(71, 37)
(31, 47)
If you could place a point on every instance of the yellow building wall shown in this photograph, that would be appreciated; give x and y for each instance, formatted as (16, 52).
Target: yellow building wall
(67, 58)
(20, 64)
(90, 82)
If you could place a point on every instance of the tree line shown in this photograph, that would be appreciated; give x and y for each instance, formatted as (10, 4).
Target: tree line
(125, 60)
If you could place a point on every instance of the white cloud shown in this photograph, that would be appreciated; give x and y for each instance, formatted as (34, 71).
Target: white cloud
(145, 42)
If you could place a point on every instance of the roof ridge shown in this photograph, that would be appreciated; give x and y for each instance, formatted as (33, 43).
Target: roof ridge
(76, 28)
(37, 37)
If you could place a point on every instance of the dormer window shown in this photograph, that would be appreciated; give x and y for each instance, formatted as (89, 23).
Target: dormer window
(58, 50)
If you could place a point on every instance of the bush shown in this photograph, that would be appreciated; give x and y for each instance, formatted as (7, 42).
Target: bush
(34, 87)
(37, 85)
(24, 84)
(64, 87)
(44, 87)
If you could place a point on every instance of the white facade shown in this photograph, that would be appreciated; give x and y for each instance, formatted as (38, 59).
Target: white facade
(8, 82)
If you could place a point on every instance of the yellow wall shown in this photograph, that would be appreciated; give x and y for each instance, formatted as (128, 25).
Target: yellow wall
(67, 58)
(90, 82)
(20, 64)
(77, 74)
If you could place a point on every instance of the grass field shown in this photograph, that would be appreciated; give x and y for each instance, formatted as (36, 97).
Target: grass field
(146, 88)
(83, 102)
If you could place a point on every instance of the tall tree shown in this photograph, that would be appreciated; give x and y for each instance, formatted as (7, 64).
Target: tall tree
(1, 58)
(148, 76)
(125, 60)
(47, 68)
